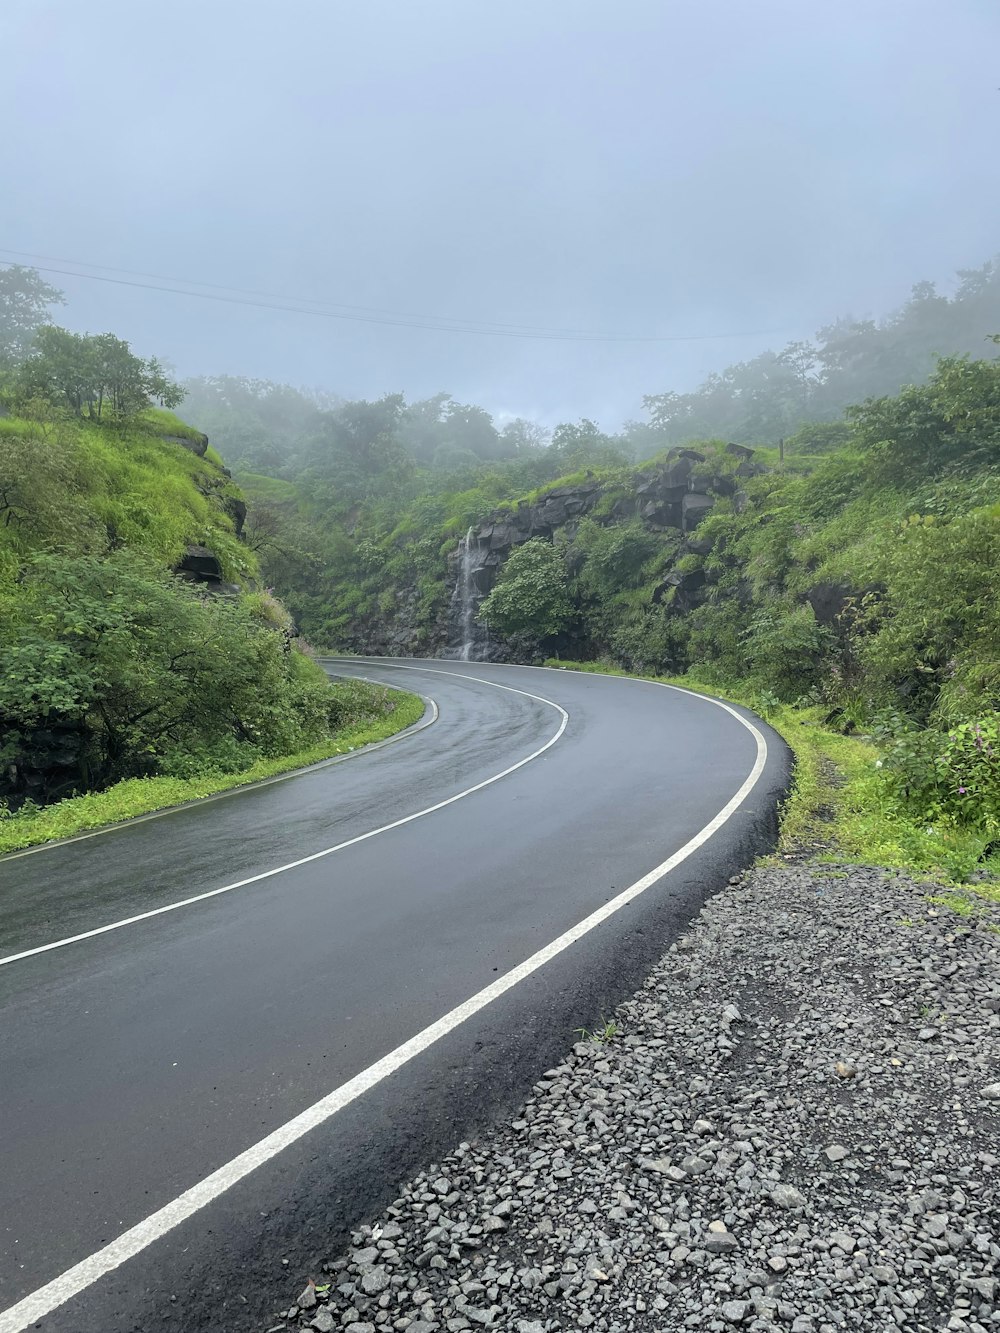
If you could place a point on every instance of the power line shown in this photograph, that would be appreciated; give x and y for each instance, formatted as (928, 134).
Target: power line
(298, 300)
(349, 313)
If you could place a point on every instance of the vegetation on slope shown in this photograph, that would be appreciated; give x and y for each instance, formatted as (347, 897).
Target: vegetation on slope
(360, 714)
(115, 667)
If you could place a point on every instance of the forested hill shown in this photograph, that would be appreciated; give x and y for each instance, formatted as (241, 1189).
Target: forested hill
(776, 393)
(284, 432)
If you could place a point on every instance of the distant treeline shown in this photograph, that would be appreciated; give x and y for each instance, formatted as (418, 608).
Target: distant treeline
(369, 448)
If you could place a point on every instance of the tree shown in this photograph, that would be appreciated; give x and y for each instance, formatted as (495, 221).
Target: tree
(531, 595)
(62, 369)
(952, 421)
(257, 425)
(88, 372)
(359, 451)
(471, 428)
(24, 307)
(583, 444)
(523, 437)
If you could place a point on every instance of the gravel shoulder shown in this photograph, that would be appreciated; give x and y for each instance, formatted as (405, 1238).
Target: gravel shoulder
(795, 1125)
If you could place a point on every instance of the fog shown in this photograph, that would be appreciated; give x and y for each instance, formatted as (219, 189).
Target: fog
(698, 180)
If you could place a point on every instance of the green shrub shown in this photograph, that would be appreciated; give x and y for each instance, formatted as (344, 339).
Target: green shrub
(531, 595)
(785, 648)
(953, 775)
(149, 674)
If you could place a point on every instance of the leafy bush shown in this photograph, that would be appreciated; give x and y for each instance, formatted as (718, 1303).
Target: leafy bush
(785, 649)
(938, 614)
(147, 675)
(531, 595)
(952, 775)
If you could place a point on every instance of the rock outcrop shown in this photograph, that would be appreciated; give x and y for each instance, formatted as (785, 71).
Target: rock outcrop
(200, 565)
(671, 496)
(42, 763)
(197, 444)
(675, 494)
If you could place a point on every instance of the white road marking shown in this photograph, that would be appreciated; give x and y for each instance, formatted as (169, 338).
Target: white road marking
(403, 735)
(90, 1270)
(315, 856)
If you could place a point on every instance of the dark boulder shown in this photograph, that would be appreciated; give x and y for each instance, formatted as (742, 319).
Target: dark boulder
(200, 565)
(237, 511)
(683, 589)
(828, 601)
(836, 605)
(198, 446)
(694, 507)
(44, 763)
(695, 546)
(500, 536)
(661, 514)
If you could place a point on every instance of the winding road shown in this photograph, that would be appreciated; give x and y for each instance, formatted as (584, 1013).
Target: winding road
(228, 1032)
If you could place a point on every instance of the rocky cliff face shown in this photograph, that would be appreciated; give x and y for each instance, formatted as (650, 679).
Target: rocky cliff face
(670, 497)
(676, 494)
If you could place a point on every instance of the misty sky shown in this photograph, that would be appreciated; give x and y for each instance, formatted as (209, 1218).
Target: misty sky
(640, 167)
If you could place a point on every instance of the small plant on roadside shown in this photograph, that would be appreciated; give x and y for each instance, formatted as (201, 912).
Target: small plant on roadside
(606, 1032)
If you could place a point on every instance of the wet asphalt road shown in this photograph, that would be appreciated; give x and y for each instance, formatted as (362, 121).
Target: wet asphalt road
(136, 1062)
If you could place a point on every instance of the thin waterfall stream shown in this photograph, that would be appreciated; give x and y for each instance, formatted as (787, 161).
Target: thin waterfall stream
(469, 638)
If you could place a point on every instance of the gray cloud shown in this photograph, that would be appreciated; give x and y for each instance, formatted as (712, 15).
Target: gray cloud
(643, 167)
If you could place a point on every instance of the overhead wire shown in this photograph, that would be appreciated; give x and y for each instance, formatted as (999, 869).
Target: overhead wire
(349, 313)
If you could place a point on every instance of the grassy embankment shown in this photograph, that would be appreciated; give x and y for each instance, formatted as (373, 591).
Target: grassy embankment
(841, 809)
(136, 690)
(375, 713)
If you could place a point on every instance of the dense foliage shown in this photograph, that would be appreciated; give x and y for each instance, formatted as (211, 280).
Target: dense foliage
(113, 666)
(125, 670)
(531, 595)
(96, 375)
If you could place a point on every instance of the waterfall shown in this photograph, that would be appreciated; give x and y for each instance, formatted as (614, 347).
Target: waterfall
(467, 635)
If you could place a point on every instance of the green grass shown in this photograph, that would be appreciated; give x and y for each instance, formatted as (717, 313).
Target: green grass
(267, 488)
(161, 422)
(141, 796)
(840, 808)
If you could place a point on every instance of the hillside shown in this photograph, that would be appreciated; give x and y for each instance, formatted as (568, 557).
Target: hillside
(135, 638)
(850, 570)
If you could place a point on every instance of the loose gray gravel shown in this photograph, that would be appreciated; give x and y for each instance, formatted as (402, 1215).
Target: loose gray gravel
(794, 1127)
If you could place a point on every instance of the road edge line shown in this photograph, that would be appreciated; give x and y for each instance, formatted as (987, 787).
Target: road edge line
(35, 1306)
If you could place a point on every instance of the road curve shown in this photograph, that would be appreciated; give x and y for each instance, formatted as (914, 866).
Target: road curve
(139, 1063)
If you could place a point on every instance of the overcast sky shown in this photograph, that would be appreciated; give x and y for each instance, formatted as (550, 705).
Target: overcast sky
(643, 168)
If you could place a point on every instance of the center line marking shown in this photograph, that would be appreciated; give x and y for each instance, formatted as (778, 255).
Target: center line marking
(314, 856)
(53, 1294)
